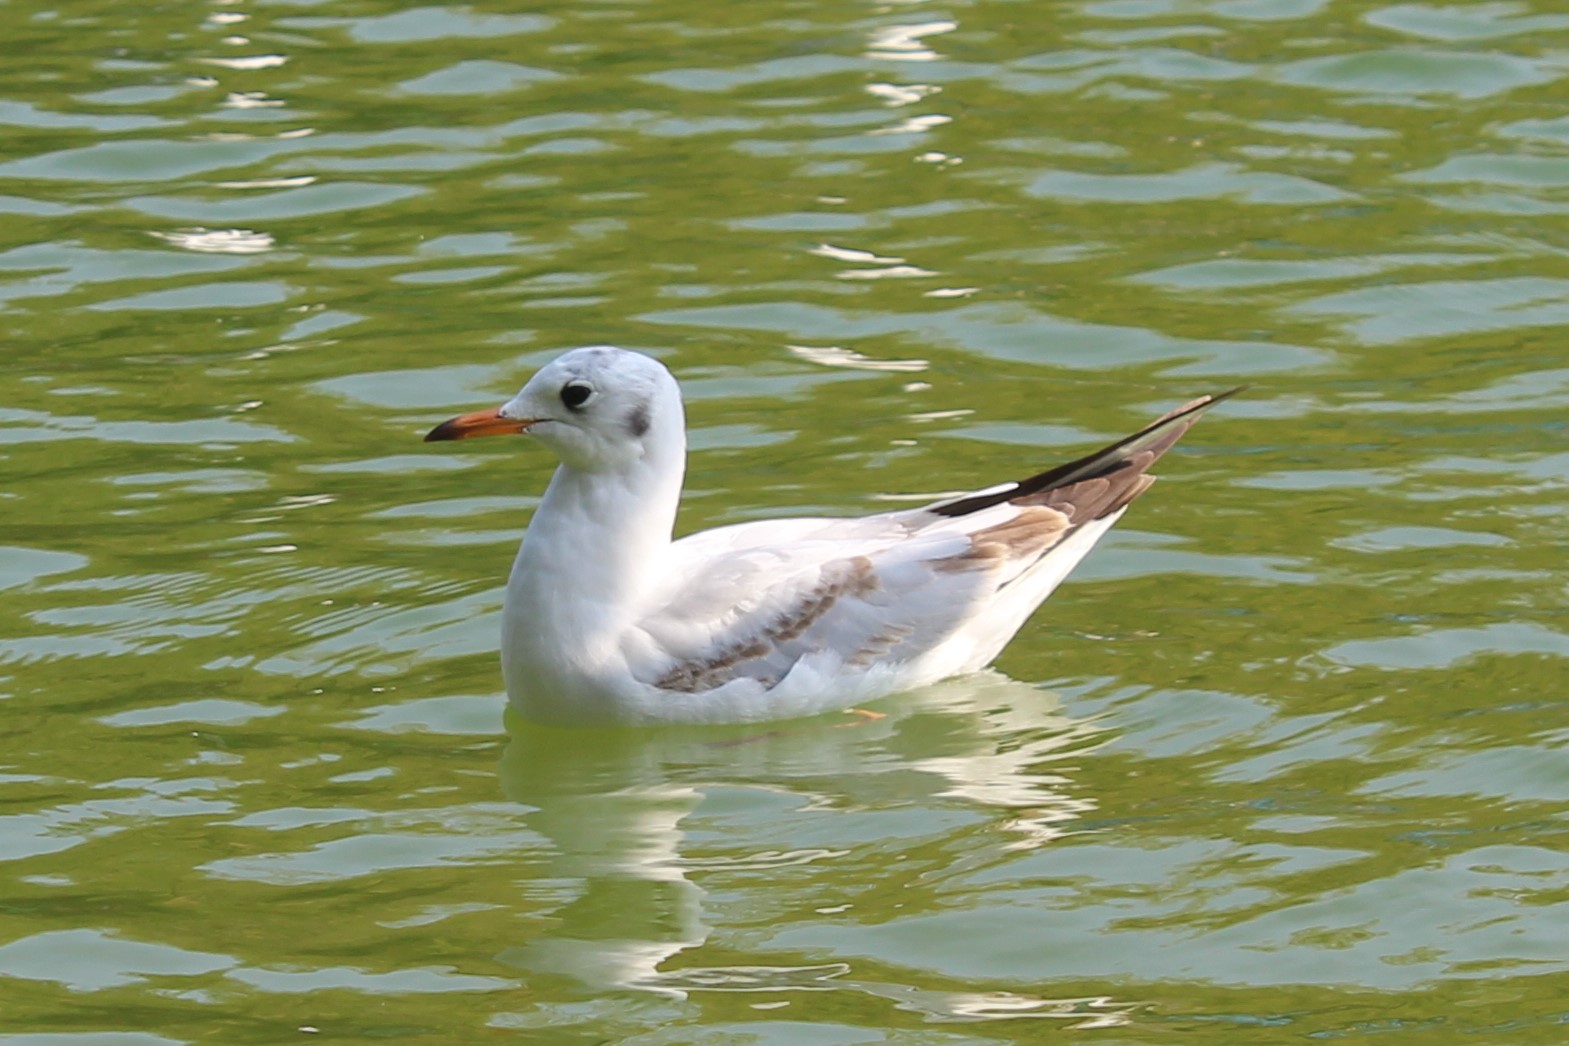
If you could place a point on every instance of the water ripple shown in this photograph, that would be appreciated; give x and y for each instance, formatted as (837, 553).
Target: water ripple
(1300, 701)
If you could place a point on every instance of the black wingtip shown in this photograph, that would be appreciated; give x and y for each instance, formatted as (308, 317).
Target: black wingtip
(1155, 438)
(1235, 390)
(1194, 406)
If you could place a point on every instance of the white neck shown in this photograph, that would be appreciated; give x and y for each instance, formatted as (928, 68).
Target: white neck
(594, 549)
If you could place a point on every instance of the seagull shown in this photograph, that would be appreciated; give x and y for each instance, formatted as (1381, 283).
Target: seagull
(608, 621)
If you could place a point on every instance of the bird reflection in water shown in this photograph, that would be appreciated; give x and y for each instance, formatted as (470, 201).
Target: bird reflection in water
(640, 820)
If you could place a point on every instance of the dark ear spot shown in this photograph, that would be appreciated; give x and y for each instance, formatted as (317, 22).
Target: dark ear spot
(637, 421)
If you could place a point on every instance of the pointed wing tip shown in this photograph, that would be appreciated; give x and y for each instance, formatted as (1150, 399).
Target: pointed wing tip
(1235, 390)
(1193, 408)
(1158, 436)
(1199, 405)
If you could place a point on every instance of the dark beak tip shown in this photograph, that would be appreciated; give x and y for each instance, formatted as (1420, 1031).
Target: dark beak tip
(451, 429)
(476, 423)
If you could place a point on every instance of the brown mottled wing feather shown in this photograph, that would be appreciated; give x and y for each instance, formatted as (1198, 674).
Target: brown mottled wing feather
(1097, 484)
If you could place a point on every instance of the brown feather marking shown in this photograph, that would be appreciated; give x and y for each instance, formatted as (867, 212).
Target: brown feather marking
(1137, 451)
(1091, 499)
(1035, 529)
(853, 577)
(878, 645)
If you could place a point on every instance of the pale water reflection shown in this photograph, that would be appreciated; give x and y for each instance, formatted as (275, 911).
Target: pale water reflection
(637, 821)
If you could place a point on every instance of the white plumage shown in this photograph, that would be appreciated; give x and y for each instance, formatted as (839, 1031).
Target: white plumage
(607, 620)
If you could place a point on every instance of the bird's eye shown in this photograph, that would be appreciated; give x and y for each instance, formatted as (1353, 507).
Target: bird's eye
(574, 394)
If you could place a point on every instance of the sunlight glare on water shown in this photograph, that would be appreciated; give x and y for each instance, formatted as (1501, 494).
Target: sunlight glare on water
(1283, 760)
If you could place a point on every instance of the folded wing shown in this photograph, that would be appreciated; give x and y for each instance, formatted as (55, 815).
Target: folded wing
(753, 600)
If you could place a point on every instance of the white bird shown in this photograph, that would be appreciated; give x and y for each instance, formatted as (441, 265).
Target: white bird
(606, 620)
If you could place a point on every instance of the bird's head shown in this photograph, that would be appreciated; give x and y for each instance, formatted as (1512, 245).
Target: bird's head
(600, 409)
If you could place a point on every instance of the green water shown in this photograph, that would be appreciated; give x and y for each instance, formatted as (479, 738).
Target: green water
(1284, 761)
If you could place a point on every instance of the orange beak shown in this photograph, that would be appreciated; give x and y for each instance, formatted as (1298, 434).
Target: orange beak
(478, 423)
